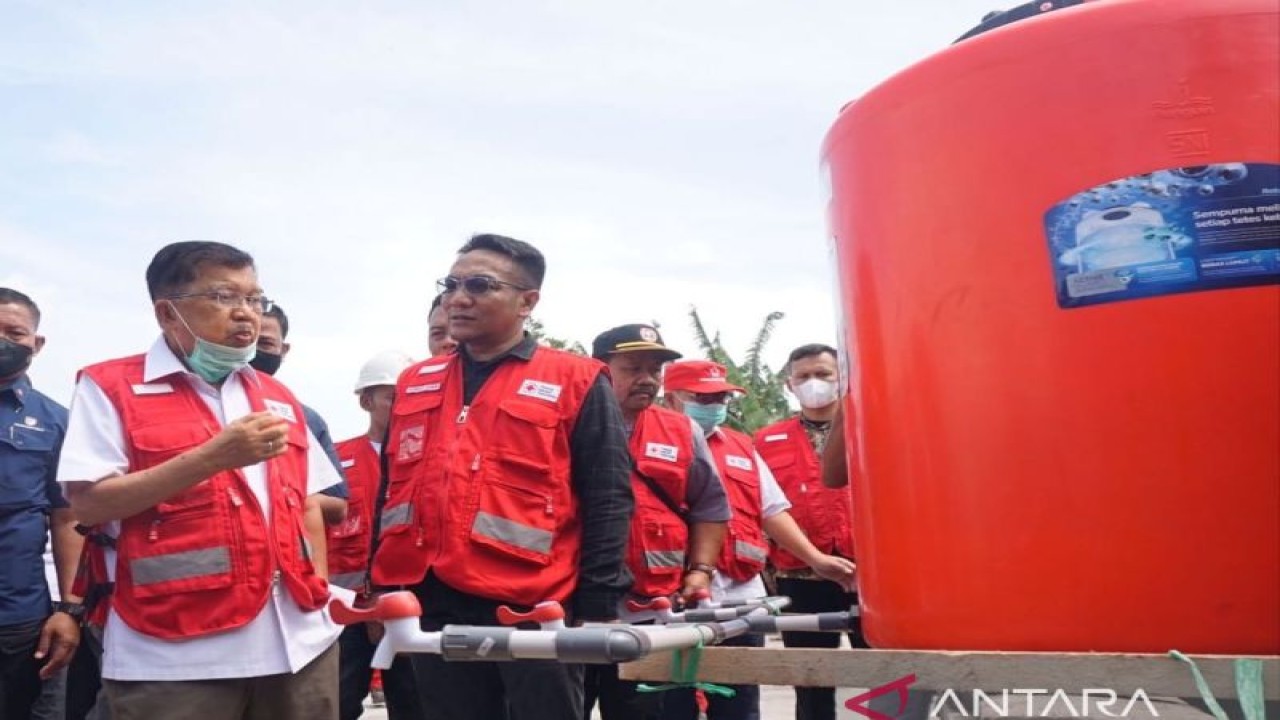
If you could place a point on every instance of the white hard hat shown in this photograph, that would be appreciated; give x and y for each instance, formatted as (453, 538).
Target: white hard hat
(383, 369)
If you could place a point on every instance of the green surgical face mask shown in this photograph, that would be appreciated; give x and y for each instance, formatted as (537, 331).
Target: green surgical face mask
(708, 417)
(212, 361)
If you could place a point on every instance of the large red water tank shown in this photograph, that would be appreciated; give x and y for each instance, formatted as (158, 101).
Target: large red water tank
(1058, 247)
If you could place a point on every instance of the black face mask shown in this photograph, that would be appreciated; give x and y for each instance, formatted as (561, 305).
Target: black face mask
(266, 362)
(14, 358)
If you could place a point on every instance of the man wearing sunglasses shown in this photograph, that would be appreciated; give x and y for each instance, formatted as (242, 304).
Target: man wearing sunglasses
(508, 483)
(700, 389)
(681, 508)
(199, 473)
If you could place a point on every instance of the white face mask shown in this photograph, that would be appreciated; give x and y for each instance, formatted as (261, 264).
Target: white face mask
(815, 393)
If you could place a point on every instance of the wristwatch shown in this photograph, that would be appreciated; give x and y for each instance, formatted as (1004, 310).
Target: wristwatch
(710, 570)
(75, 610)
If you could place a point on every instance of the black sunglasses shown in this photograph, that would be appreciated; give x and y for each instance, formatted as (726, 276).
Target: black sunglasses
(474, 284)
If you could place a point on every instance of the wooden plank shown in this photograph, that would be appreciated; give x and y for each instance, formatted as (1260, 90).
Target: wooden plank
(961, 671)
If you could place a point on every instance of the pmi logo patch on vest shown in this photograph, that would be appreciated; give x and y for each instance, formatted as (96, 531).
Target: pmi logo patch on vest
(280, 410)
(737, 461)
(428, 387)
(662, 452)
(775, 438)
(410, 443)
(541, 390)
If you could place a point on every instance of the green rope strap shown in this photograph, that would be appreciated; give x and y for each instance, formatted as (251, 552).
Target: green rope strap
(684, 674)
(1249, 688)
(1248, 674)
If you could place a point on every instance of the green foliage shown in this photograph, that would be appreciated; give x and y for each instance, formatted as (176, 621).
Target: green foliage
(766, 401)
(539, 333)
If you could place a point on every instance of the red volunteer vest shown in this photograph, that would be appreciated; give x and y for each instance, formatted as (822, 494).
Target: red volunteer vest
(745, 550)
(350, 540)
(662, 448)
(822, 513)
(203, 560)
(481, 494)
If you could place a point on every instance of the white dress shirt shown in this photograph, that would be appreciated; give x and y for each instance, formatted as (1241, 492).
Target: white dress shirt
(282, 638)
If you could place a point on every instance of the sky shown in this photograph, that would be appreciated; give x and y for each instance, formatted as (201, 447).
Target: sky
(662, 155)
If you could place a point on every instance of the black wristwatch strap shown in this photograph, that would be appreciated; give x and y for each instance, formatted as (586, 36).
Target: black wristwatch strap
(75, 610)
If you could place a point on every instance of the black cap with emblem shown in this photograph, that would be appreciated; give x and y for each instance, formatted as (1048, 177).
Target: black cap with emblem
(630, 338)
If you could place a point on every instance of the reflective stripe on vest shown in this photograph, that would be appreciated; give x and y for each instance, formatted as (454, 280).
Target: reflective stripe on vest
(664, 558)
(350, 581)
(749, 551)
(180, 565)
(512, 533)
(398, 515)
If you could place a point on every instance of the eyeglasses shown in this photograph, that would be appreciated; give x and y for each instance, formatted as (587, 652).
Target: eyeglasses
(231, 300)
(474, 284)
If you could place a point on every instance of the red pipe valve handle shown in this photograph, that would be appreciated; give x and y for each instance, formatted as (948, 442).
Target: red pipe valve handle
(392, 606)
(548, 614)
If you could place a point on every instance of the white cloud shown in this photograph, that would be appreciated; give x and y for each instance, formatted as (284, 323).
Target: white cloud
(661, 155)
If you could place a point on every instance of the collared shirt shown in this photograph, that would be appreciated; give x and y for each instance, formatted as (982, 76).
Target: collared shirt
(31, 430)
(600, 472)
(817, 432)
(282, 638)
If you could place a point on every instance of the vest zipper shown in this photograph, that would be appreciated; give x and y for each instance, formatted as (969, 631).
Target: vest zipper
(154, 533)
(462, 415)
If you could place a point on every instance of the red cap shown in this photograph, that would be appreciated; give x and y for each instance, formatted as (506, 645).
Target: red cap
(697, 376)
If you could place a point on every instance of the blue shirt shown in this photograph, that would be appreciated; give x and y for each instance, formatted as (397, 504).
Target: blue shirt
(31, 430)
(320, 429)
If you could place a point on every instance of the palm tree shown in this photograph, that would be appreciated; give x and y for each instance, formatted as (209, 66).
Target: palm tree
(765, 401)
(539, 333)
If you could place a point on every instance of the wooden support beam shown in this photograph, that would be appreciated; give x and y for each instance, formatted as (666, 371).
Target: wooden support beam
(1156, 675)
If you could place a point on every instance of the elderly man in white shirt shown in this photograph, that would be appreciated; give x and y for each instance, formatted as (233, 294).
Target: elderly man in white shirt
(202, 471)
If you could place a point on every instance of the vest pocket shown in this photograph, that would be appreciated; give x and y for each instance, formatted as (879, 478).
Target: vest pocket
(353, 524)
(515, 521)
(526, 433)
(154, 444)
(662, 547)
(184, 546)
(745, 547)
(746, 550)
(407, 439)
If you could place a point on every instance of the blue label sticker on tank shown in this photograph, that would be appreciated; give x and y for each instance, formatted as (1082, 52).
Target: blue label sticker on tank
(1203, 227)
